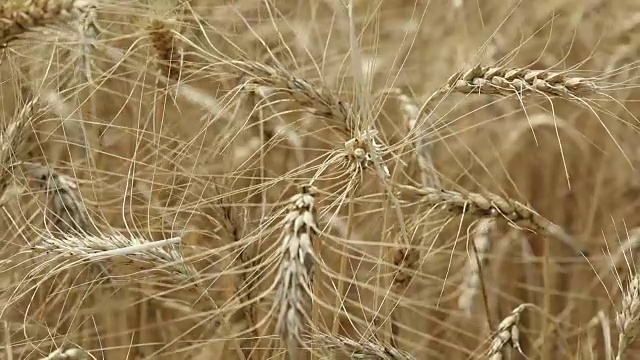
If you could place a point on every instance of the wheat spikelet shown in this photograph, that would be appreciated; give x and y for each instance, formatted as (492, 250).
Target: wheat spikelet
(507, 335)
(628, 319)
(69, 354)
(508, 81)
(296, 270)
(362, 349)
(472, 279)
(318, 101)
(492, 206)
(17, 19)
(168, 53)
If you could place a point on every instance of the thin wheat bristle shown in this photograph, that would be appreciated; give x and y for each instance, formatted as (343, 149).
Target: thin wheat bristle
(296, 269)
(508, 81)
(167, 50)
(493, 206)
(361, 349)
(628, 319)
(17, 19)
(507, 335)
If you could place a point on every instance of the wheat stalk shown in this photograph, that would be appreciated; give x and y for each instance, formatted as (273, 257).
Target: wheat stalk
(508, 81)
(296, 270)
(492, 206)
(628, 319)
(362, 349)
(17, 19)
(507, 335)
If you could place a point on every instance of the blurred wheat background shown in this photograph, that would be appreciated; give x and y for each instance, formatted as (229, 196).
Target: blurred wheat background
(319, 179)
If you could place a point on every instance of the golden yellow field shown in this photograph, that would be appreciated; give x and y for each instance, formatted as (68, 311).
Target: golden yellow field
(319, 179)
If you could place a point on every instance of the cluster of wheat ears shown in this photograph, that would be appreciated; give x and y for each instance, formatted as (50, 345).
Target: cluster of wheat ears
(319, 179)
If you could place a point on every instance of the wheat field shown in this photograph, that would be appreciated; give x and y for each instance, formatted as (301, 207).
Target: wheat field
(319, 179)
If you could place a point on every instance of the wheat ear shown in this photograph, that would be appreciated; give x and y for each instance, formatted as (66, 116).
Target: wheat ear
(17, 19)
(507, 335)
(67, 213)
(472, 279)
(296, 269)
(492, 206)
(168, 53)
(508, 81)
(628, 319)
(69, 354)
(362, 349)
(13, 142)
(318, 101)
(416, 118)
(113, 248)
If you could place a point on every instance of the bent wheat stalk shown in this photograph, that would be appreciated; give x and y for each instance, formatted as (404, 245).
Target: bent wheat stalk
(296, 269)
(492, 206)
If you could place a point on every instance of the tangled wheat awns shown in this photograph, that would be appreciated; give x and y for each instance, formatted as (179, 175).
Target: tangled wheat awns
(153, 145)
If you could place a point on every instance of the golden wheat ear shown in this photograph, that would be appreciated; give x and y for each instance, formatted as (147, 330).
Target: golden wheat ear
(628, 319)
(296, 270)
(19, 18)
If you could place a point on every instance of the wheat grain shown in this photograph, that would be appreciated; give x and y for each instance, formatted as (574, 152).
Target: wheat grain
(296, 270)
(17, 19)
(507, 335)
(628, 319)
(492, 206)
